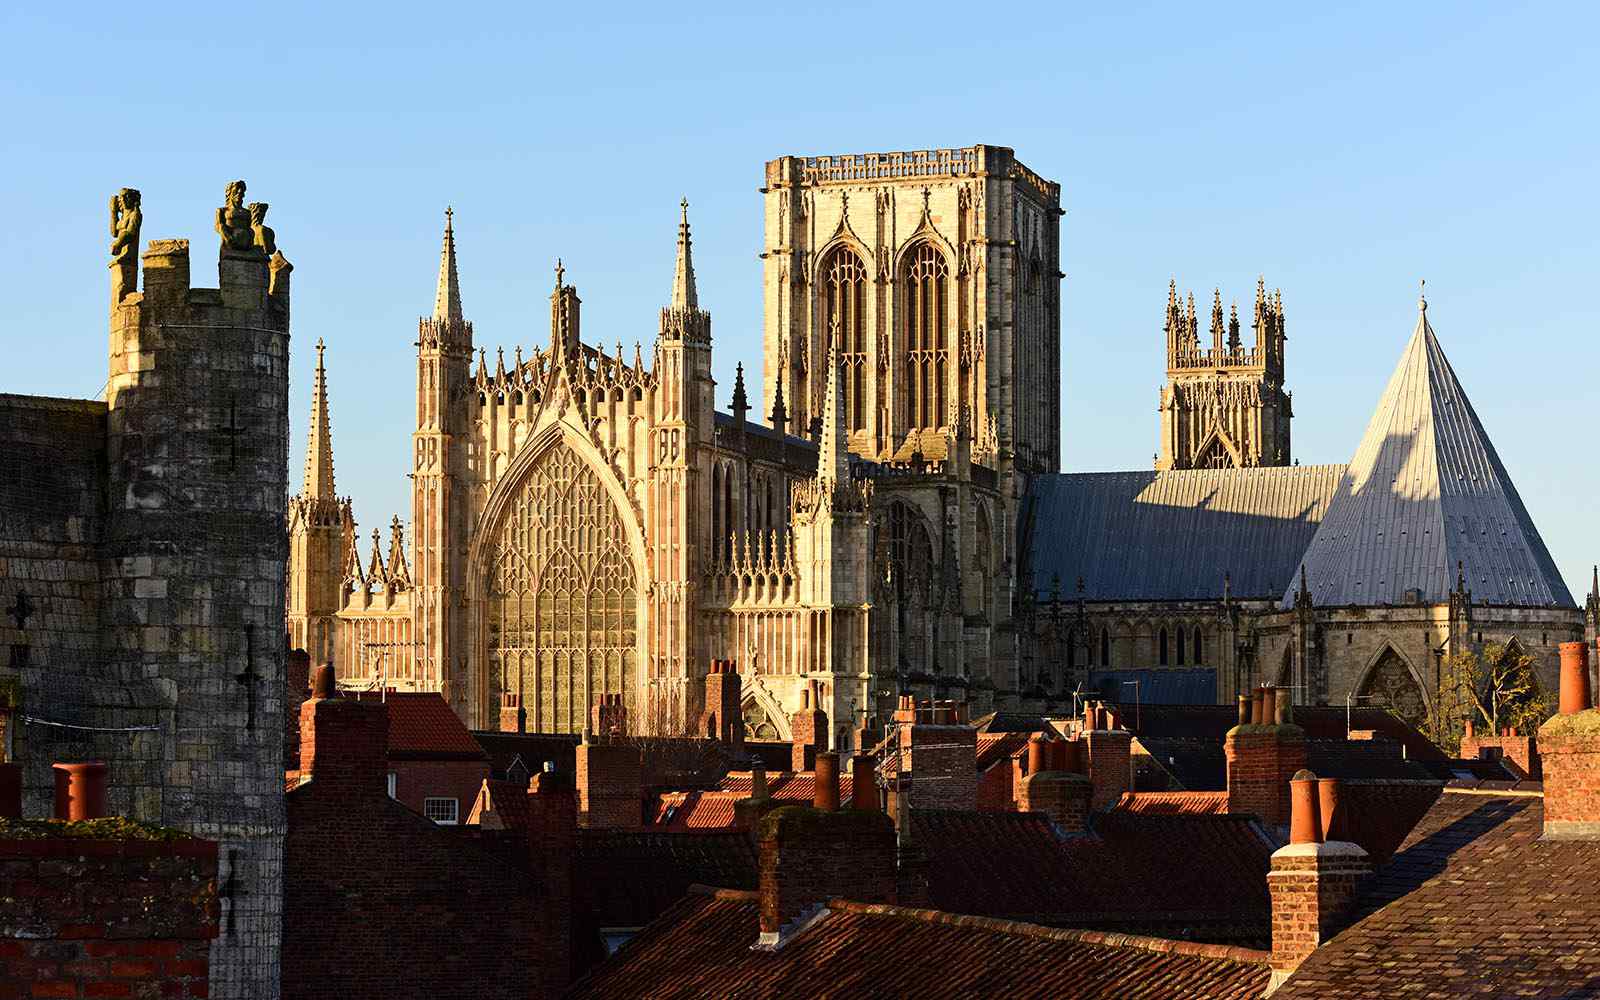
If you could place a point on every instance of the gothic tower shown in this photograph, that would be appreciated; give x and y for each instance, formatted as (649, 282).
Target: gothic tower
(680, 489)
(438, 501)
(1224, 406)
(321, 528)
(935, 276)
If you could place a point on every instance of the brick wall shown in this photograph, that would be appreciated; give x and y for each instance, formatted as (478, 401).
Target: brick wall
(808, 857)
(608, 777)
(118, 917)
(1061, 795)
(942, 763)
(1110, 765)
(381, 903)
(1312, 887)
(417, 780)
(1522, 752)
(1570, 748)
(1261, 760)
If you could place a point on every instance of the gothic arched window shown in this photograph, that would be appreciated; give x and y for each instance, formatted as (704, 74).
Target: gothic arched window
(844, 318)
(903, 553)
(1181, 650)
(1105, 647)
(1389, 684)
(1161, 652)
(561, 615)
(1199, 647)
(926, 310)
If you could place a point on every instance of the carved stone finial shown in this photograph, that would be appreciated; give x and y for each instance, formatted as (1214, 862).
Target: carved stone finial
(561, 274)
(233, 220)
(126, 218)
(1422, 296)
(260, 234)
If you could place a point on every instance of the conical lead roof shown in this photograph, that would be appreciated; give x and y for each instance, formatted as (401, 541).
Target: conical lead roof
(1426, 492)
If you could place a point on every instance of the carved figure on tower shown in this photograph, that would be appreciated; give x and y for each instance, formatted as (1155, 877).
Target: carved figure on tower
(233, 220)
(126, 218)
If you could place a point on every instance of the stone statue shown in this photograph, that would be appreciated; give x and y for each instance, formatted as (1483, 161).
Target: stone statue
(233, 221)
(125, 221)
(261, 234)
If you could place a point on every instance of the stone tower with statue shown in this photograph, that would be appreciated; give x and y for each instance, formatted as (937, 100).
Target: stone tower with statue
(142, 552)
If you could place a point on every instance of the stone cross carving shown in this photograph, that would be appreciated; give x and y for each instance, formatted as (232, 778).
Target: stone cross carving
(22, 610)
(233, 220)
(247, 677)
(126, 219)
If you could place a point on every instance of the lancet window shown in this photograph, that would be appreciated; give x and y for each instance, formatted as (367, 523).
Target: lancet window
(1389, 684)
(844, 292)
(926, 308)
(904, 551)
(562, 596)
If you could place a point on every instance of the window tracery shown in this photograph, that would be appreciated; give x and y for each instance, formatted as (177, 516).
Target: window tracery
(926, 310)
(844, 292)
(1389, 684)
(562, 595)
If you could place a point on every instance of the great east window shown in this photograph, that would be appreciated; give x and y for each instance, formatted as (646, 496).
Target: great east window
(562, 596)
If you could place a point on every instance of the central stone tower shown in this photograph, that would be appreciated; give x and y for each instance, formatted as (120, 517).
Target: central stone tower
(1224, 407)
(934, 276)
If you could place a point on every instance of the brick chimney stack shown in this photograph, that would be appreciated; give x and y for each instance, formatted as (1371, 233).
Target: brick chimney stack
(343, 742)
(609, 716)
(809, 728)
(808, 857)
(1051, 788)
(609, 776)
(297, 666)
(1110, 752)
(552, 847)
(1313, 881)
(1262, 756)
(724, 708)
(513, 717)
(939, 757)
(1569, 747)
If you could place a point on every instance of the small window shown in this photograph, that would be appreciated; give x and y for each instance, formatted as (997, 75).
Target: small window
(393, 781)
(1181, 650)
(441, 811)
(1199, 646)
(1162, 653)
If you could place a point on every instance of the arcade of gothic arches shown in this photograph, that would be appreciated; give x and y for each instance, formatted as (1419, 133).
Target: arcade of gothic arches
(562, 594)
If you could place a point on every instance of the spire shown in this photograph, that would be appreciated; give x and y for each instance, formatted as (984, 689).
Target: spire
(780, 413)
(447, 301)
(1233, 328)
(1217, 329)
(319, 442)
(741, 402)
(683, 291)
(833, 456)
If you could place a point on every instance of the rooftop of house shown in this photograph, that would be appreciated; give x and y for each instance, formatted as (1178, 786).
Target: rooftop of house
(712, 809)
(422, 726)
(702, 947)
(1475, 902)
(1191, 877)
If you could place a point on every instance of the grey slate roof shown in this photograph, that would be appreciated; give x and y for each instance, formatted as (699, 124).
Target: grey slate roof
(1424, 492)
(1170, 536)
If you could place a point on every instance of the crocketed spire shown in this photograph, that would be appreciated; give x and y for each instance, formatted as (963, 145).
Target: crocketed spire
(447, 302)
(319, 441)
(684, 296)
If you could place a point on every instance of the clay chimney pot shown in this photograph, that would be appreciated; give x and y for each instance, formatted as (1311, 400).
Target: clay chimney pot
(1305, 825)
(323, 684)
(80, 791)
(826, 796)
(1038, 754)
(1574, 677)
(1329, 811)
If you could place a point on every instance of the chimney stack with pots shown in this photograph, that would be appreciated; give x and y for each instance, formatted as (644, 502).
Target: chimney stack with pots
(1262, 756)
(808, 857)
(343, 741)
(1569, 748)
(609, 773)
(1313, 880)
(724, 717)
(1110, 755)
(1052, 787)
(513, 717)
(809, 728)
(938, 757)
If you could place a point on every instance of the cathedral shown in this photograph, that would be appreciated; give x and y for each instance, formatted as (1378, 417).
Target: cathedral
(592, 524)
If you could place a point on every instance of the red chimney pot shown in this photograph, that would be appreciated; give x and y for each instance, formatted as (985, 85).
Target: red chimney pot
(826, 796)
(1574, 677)
(1305, 825)
(80, 791)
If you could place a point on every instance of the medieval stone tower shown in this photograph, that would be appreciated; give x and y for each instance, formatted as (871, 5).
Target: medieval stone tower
(1224, 407)
(935, 276)
(142, 553)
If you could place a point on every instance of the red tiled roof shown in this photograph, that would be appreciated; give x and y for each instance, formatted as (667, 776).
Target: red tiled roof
(1194, 877)
(1475, 903)
(995, 747)
(507, 800)
(1175, 803)
(628, 878)
(422, 725)
(695, 810)
(797, 786)
(702, 948)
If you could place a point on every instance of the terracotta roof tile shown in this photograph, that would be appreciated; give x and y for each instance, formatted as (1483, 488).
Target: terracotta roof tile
(995, 747)
(422, 725)
(701, 948)
(1475, 903)
(695, 810)
(1176, 803)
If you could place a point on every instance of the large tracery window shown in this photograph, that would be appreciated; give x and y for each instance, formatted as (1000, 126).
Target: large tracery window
(926, 309)
(844, 292)
(562, 596)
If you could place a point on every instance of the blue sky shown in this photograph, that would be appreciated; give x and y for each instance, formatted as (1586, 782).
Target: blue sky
(1344, 153)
